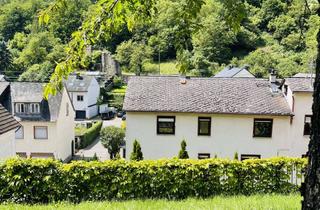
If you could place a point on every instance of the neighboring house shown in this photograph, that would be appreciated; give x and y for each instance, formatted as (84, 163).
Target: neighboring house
(8, 126)
(2, 78)
(84, 92)
(231, 71)
(216, 116)
(298, 92)
(47, 126)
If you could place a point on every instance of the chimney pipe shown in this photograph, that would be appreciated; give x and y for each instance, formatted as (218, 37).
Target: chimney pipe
(273, 76)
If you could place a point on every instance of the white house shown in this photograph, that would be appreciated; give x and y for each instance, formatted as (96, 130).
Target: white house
(8, 126)
(215, 116)
(231, 71)
(47, 126)
(84, 92)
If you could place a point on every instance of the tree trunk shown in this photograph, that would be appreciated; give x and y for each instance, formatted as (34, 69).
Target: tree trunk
(311, 188)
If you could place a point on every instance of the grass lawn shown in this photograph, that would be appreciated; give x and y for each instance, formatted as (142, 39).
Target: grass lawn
(257, 202)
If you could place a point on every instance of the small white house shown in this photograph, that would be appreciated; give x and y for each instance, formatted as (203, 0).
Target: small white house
(84, 92)
(231, 71)
(215, 116)
(8, 126)
(47, 126)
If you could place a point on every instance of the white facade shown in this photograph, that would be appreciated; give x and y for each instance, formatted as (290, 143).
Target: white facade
(7, 148)
(301, 104)
(86, 101)
(229, 134)
(60, 135)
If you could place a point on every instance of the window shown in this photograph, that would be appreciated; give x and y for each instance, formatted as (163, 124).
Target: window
(34, 108)
(245, 157)
(166, 125)
(79, 98)
(22, 154)
(20, 108)
(285, 89)
(262, 128)
(40, 132)
(19, 133)
(307, 125)
(204, 126)
(203, 156)
(67, 109)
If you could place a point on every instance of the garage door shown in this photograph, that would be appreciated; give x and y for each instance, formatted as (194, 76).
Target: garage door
(81, 114)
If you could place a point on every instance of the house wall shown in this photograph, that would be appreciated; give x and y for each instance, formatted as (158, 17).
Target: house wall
(79, 105)
(31, 145)
(93, 95)
(65, 127)
(7, 148)
(229, 134)
(302, 106)
(244, 73)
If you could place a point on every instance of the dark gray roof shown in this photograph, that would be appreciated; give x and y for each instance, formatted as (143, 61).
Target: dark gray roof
(7, 122)
(74, 84)
(28, 92)
(3, 86)
(230, 71)
(204, 95)
(300, 84)
(304, 75)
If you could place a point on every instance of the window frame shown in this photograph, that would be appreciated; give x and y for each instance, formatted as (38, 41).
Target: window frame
(304, 125)
(209, 128)
(253, 156)
(36, 107)
(254, 127)
(34, 132)
(174, 125)
(204, 154)
(80, 97)
(19, 107)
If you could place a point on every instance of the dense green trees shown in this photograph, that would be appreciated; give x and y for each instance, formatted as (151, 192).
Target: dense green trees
(276, 34)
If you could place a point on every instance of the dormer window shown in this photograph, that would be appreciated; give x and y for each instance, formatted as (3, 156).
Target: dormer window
(34, 108)
(27, 108)
(20, 108)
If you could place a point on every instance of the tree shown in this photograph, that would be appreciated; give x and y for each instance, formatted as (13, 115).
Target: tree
(236, 156)
(5, 57)
(112, 138)
(136, 152)
(133, 55)
(183, 154)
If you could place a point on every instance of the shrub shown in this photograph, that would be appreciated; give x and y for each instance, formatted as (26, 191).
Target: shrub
(112, 138)
(136, 153)
(38, 180)
(183, 154)
(236, 156)
(117, 81)
(90, 135)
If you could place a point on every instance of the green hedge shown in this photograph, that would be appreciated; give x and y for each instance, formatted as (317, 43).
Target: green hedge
(90, 134)
(35, 180)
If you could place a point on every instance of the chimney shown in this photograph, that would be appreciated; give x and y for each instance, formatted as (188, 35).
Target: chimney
(273, 76)
(183, 79)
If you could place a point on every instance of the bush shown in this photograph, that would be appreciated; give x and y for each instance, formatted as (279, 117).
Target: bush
(90, 135)
(38, 180)
(183, 154)
(136, 153)
(112, 138)
(117, 81)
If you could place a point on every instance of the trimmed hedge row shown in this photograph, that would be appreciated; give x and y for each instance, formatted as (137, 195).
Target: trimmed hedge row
(90, 135)
(35, 180)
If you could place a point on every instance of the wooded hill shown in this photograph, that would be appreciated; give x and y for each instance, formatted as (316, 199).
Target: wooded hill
(277, 34)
